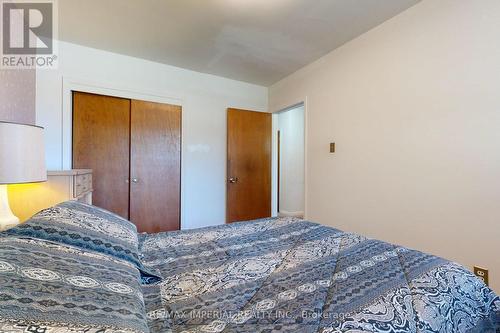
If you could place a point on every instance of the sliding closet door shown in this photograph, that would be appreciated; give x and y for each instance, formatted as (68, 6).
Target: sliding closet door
(155, 166)
(101, 135)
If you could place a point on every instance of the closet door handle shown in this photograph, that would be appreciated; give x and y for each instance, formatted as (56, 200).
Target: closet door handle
(233, 180)
(135, 180)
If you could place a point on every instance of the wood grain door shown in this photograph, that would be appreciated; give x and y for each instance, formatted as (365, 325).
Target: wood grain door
(155, 166)
(248, 165)
(101, 126)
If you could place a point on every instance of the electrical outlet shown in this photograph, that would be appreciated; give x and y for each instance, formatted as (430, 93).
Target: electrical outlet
(481, 273)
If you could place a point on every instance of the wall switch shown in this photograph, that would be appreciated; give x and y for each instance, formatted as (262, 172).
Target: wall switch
(482, 274)
(332, 147)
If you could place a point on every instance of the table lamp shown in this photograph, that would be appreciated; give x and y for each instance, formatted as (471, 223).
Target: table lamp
(22, 160)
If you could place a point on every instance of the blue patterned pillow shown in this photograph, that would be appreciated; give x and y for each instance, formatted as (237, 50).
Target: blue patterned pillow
(54, 287)
(89, 227)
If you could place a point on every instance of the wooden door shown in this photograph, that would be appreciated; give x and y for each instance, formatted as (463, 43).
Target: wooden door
(248, 165)
(101, 136)
(155, 166)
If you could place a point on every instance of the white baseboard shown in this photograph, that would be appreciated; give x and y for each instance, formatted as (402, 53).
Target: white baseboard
(284, 213)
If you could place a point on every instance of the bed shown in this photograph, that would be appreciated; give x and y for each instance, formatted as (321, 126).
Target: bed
(78, 268)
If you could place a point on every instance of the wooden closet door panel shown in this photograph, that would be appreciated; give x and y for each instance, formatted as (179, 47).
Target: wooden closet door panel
(248, 165)
(155, 163)
(101, 137)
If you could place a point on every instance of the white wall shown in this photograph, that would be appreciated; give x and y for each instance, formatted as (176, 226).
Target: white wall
(291, 127)
(204, 99)
(17, 96)
(414, 108)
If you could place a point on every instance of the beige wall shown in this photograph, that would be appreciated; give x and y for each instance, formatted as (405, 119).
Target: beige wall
(17, 96)
(414, 108)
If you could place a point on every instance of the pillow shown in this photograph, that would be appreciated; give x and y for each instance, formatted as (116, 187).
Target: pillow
(88, 227)
(54, 287)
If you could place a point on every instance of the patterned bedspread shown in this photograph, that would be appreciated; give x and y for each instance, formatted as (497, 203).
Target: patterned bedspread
(289, 275)
(47, 287)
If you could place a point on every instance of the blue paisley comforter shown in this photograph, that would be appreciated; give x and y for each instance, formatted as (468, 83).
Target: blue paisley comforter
(77, 268)
(289, 275)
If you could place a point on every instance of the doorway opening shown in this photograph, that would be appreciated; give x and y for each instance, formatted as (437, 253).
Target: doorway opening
(290, 139)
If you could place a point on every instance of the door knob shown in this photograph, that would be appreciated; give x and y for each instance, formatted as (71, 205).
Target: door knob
(135, 180)
(233, 180)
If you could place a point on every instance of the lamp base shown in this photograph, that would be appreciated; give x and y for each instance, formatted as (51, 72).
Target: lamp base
(7, 219)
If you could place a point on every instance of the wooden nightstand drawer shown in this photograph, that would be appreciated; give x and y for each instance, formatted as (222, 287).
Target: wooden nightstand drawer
(83, 184)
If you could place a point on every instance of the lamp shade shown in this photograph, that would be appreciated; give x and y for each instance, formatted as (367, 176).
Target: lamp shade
(22, 154)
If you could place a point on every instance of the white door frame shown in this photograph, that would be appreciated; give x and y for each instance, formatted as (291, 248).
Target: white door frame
(111, 89)
(274, 192)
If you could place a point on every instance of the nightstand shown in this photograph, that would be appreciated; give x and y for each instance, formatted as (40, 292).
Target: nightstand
(28, 199)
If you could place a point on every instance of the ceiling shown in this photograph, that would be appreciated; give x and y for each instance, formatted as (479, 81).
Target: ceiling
(256, 41)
